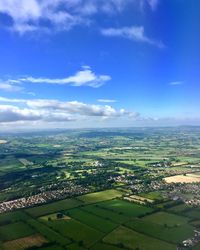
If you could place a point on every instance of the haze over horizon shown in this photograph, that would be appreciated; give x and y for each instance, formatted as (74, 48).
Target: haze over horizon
(99, 63)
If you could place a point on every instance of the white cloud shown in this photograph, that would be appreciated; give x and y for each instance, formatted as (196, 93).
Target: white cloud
(10, 87)
(84, 77)
(33, 15)
(176, 83)
(153, 4)
(79, 108)
(134, 33)
(106, 100)
(55, 110)
(9, 113)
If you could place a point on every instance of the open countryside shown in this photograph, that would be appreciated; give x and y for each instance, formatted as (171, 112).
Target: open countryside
(100, 197)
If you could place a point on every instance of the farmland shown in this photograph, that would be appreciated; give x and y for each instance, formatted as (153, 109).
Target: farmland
(26, 242)
(171, 234)
(86, 189)
(124, 237)
(189, 178)
(53, 207)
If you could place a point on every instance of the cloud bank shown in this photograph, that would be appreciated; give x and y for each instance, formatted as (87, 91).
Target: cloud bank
(34, 15)
(14, 110)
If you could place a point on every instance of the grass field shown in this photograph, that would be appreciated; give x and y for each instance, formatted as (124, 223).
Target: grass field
(76, 231)
(100, 196)
(53, 247)
(48, 233)
(102, 246)
(163, 218)
(197, 247)
(125, 208)
(53, 207)
(26, 242)
(75, 246)
(105, 213)
(172, 234)
(193, 213)
(152, 195)
(179, 208)
(130, 239)
(11, 217)
(91, 220)
(14, 231)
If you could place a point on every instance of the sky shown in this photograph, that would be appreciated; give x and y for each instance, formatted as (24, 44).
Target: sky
(99, 63)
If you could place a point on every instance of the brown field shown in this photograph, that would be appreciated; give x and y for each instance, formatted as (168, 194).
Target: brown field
(179, 164)
(139, 199)
(188, 178)
(23, 243)
(3, 141)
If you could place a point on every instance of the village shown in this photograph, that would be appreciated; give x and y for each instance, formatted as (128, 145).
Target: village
(42, 198)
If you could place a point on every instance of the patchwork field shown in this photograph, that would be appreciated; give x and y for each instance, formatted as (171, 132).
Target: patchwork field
(175, 234)
(97, 221)
(69, 229)
(105, 213)
(136, 208)
(48, 233)
(124, 237)
(91, 220)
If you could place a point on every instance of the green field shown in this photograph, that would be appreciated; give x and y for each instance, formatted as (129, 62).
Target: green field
(121, 162)
(11, 217)
(130, 239)
(125, 208)
(53, 207)
(14, 231)
(91, 220)
(163, 218)
(100, 196)
(179, 208)
(75, 230)
(103, 246)
(193, 213)
(152, 195)
(105, 213)
(53, 247)
(76, 246)
(48, 233)
(197, 247)
(171, 234)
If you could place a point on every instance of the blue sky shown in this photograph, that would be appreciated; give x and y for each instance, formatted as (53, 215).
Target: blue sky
(98, 63)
